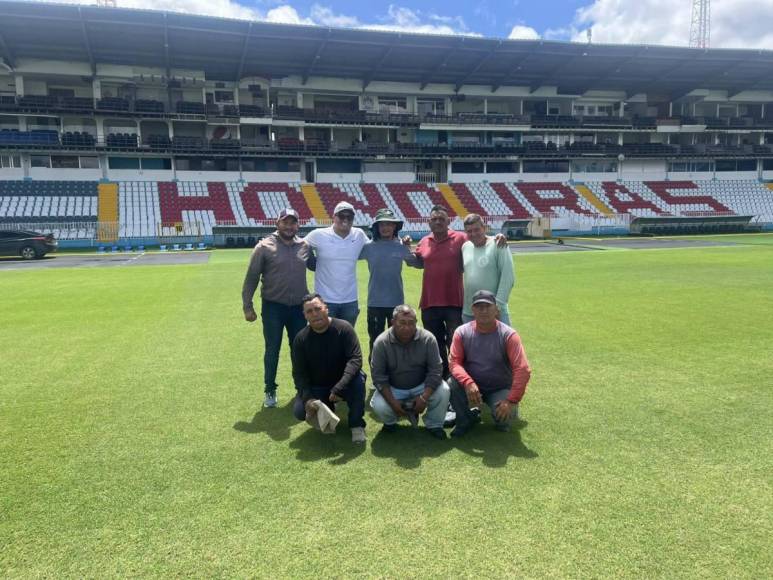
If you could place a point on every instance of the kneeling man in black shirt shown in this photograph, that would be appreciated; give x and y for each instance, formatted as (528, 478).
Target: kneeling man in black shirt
(327, 363)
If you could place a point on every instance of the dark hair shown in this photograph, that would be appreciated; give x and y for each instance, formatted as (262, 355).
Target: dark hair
(439, 208)
(403, 309)
(473, 218)
(310, 297)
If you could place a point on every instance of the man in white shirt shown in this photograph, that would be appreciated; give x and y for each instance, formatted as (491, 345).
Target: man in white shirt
(337, 249)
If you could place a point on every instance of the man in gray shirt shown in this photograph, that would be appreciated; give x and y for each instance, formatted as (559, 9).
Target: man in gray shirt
(280, 259)
(407, 373)
(385, 256)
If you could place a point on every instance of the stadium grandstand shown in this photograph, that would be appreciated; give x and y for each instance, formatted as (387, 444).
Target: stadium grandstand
(120, 124)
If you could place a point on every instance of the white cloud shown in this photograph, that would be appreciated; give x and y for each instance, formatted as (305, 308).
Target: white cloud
(734, 23)
(397, 18)
(521, 32)
(286, 14)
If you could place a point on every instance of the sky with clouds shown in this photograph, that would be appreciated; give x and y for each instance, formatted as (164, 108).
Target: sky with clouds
(734, 23)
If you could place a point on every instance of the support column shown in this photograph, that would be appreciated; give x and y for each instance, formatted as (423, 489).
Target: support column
(171, 130)
(96, 87)
(139, 133)
(19, 84)
(485, 105)
(22, 123)
(100, 122)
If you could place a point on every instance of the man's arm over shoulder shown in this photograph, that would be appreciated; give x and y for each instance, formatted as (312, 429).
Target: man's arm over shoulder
(252, 277)
(519, 365)
(415, 259)
(353, 355)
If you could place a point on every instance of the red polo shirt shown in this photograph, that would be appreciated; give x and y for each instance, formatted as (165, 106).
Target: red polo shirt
(442, 281)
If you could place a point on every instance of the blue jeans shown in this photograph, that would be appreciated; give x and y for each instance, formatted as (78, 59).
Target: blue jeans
(345, 311)
(276, 317)
(353, 394)
(437, 405)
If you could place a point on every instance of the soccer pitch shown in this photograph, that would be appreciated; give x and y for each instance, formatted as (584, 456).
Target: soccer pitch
(132, 441)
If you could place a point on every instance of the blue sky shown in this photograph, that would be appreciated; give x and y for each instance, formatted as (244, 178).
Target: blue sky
(734, 23)
(493, 18)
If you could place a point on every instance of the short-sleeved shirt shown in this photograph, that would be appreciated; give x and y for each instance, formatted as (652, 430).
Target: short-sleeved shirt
(336, 274)
(385, 262)
(442, 281)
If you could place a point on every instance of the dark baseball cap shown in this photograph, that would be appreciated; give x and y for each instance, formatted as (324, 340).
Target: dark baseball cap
(288, 212)
(484, 296)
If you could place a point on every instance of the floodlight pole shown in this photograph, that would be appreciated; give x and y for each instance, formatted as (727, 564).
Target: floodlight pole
(700, 24)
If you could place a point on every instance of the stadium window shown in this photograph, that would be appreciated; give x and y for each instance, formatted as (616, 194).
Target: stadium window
(224, 97)
(545, 166)
(156, 163)
(467, 167)
(338, 166)
(767, 164)
(89, 162)
(502, 167)
(746, 165)
(231, 164)
(40, 161)
(702, 167)
(597, 166)
(123, 162)
(59, 92)
(678, 167)
(65, 162)
(10, 161)
(392, 105)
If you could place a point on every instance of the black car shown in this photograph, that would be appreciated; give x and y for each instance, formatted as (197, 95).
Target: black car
(25, 243)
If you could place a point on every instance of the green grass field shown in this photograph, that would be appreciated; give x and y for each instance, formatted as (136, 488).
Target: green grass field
(132, 441)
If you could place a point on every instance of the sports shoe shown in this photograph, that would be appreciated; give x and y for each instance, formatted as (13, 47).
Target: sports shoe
(389, 428)
(503, 427)
(437, 433)
(270, 400)
(460, 431)
(358, 435)
(450, 419)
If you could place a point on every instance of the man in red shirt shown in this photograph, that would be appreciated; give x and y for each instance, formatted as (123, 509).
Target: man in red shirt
(442, 293)
(442, 290)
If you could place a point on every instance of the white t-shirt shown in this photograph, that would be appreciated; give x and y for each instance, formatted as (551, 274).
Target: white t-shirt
(336, 276)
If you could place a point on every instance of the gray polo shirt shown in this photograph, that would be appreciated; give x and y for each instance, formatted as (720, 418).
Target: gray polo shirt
(283, 269)
(404, 366)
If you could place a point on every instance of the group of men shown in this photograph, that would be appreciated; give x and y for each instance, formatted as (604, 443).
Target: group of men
(467, 353)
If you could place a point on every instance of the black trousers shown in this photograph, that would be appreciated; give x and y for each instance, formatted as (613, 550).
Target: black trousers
(379, 319)
(442, 321)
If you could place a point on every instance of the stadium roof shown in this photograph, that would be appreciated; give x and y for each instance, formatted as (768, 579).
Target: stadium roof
(233, 49)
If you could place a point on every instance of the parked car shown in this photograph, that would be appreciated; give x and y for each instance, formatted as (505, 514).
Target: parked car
(27, 244)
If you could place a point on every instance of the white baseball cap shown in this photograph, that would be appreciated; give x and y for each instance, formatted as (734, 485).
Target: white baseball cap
(343, 206)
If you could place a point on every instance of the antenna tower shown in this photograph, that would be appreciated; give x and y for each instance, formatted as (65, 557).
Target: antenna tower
(700, 25)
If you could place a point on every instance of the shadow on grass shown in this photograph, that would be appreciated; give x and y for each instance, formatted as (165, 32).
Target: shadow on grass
(408, 446)
(337, 448)
(493, 447)
(275, 423)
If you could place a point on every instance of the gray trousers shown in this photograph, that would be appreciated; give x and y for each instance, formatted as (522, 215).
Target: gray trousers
(465, 416)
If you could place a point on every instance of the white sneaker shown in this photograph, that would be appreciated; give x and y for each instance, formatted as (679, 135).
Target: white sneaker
(270, 400)
(358, 435)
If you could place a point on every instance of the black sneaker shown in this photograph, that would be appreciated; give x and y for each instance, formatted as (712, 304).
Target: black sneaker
(461, 430)
(437, 433)
(389, 428)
